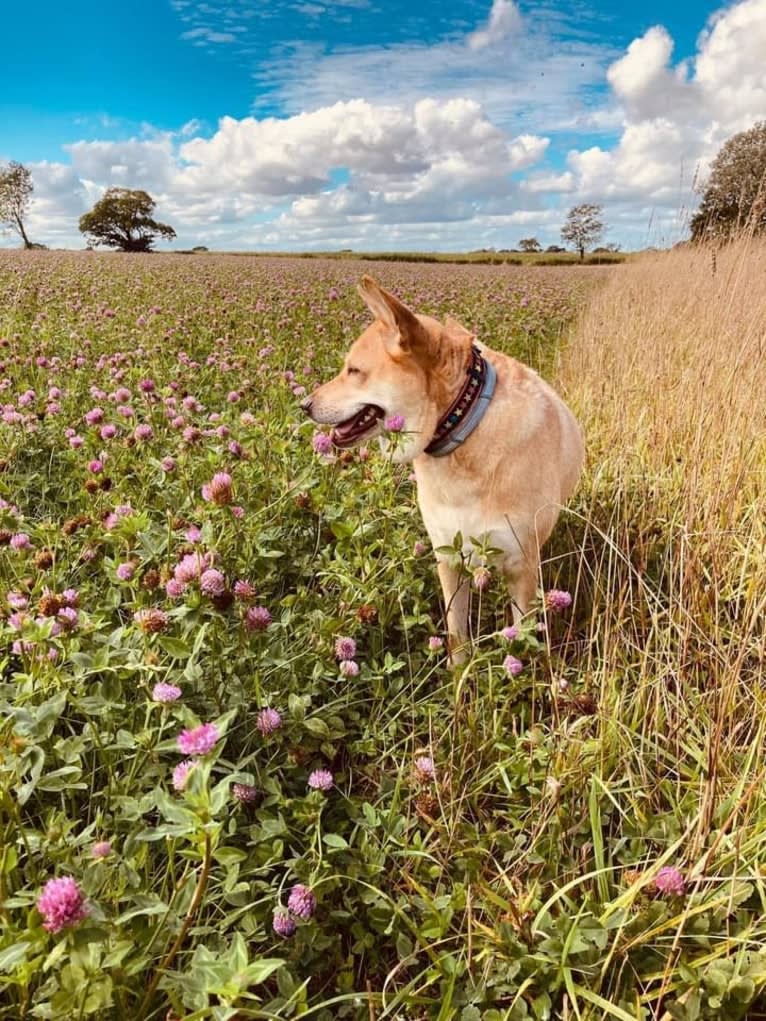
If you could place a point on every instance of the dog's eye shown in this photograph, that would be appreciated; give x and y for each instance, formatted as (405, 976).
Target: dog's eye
(352, 370)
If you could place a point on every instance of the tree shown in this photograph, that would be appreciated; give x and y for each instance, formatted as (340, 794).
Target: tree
(15, 193)
(735, 194)
(530, 245)
(583, 227)
(123, 219)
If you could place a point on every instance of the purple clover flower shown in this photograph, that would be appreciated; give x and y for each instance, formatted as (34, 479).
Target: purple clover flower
(321, 780)
(181, 774)
(670, 880)
(348, 668)
(268, 721)
(301, 902)
(245, 793)
(282, 924)
(345, 648)
(556, 600)
(61, 904)
(424, 768)
(212, 582)
(218, 490)
(198, 741)
(395, 423)
(257, 618)
(321, 443)
(512, 666)
(165, 693)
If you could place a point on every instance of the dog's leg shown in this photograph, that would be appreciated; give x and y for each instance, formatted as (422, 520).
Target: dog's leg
(457, 596)
(521, 578)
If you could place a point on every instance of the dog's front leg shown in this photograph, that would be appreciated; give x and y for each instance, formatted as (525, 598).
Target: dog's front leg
(457, 596)
(521, 578)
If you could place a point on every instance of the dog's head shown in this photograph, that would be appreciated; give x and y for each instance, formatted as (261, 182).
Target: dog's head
(404, 365)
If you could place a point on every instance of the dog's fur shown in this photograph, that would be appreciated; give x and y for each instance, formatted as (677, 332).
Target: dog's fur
(504, 485)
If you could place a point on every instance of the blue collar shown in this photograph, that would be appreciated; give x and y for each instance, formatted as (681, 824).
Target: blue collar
(468, 408)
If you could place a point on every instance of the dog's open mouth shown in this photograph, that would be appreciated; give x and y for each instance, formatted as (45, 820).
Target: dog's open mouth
(353, 429)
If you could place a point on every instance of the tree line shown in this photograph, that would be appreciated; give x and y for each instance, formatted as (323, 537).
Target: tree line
(733, 200)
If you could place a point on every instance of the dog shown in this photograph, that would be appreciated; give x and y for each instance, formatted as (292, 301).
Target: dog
(496, 452)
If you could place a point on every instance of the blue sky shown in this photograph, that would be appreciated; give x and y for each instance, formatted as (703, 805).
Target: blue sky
(500, 115)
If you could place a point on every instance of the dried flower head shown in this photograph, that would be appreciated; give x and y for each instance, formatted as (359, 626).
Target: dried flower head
(219, 489)
(152, 620)
(245, 793)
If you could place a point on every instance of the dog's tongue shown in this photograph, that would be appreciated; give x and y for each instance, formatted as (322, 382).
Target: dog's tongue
(345, 432)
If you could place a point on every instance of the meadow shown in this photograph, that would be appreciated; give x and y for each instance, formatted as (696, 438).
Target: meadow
(237, 779)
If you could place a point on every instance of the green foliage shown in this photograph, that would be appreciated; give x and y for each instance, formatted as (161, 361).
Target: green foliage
(516, 883)
(123, 219)
(734, 197)
(583, 227)
(15, 195)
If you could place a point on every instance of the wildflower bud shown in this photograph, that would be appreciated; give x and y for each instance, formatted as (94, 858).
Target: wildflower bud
(282, 924)
(245, 793)
(482, 576)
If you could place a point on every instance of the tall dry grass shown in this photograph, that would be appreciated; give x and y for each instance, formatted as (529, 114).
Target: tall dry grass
(667, 372)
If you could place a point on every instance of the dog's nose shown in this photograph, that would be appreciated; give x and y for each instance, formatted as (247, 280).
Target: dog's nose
(306, 405)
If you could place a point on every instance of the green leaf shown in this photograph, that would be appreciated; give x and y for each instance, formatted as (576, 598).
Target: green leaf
(259, 971)
(317, 726)
(335, 840)
(175, 647)
(13, 955)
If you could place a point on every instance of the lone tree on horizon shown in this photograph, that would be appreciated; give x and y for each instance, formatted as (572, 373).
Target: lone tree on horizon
(15, 193)
(123, 219)
(583, 227)
(530, 245)
(734, 196)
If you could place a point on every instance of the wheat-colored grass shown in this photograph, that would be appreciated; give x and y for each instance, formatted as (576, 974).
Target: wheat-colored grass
(667, 372)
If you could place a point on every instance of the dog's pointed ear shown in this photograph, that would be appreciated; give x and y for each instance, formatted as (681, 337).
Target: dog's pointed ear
(393, 313)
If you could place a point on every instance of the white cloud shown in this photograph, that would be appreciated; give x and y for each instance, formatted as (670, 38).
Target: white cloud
(675, 118)
(504, 20)
(202, 35)
(445, 171)
(446, 146)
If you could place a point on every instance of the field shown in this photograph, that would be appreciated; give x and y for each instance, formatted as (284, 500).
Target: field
(311, 816)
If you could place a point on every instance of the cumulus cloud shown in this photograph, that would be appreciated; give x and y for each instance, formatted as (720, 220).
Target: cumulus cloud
(675, 118)
(504, 20)
(444, 171)
(449, 145)
(430, 162)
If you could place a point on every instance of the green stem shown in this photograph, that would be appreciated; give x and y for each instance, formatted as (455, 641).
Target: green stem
(170, 956)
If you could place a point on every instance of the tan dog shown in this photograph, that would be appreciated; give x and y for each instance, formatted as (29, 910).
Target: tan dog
(503, 483)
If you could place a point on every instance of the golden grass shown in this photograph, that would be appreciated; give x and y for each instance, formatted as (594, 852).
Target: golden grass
(666, 371)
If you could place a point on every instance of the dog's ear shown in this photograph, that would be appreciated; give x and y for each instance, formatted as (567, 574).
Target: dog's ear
(393, 313)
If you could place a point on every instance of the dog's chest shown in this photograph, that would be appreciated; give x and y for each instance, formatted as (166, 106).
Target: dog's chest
(449, 506)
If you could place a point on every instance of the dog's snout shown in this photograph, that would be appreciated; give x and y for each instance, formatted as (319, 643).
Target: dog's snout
(306, 405)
